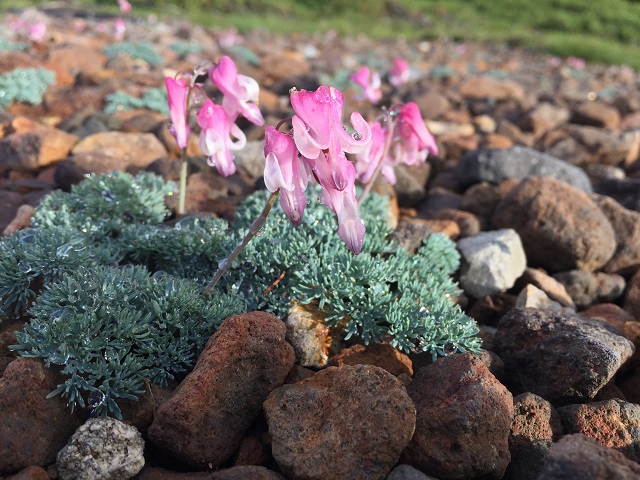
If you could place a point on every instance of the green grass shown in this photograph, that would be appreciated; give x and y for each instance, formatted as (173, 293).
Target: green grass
(606, 31)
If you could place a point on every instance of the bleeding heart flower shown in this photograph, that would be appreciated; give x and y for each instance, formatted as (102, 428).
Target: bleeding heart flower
(215, 137)
(286, 171)
(400, 73)
(119, 28)
(238, 90)
(319, 135)
(369, 158)
(37, 31)
(369, 83)
(343, 203)
(125, 6)
(415, 141)
(177, 90)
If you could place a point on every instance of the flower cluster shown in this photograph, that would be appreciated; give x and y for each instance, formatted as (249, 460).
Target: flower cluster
(315, 149)
(217, 122)
(402, 138)
(370, 83)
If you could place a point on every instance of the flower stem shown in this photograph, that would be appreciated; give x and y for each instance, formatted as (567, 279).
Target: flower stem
(255, 227)
(182, 194)
(387, 145)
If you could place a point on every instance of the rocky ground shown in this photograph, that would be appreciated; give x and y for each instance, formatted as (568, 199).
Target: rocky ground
(538, 180)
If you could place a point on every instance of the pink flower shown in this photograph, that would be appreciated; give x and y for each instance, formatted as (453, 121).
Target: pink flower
(37, 31)
(286, 171)
(238, 90)
(576, 62)
(369, 84)
(415, 141)
(215, 137)
(125, 6)
(368, 159)
(400, 73)
(343, 203)
(320, 137)
(177, 90)
(119, 27)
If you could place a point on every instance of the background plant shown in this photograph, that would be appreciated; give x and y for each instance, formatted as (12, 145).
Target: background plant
(153, 99)
(142, 51)
(24, 85)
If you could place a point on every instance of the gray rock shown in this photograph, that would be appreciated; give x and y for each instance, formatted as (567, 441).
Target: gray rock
(250, 160)
(558, 356)
(407, 472)
(491, 262)
(626, 192)
(518, 162)
(102, 449)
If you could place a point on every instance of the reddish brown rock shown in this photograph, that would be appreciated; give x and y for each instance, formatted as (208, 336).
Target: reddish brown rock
(577, 456)
(561, 228)
(544, 117)
(156, 473)
(205, 420)
(62, 102)
(488, 87)
(559, 356)
(349, 422)
(75, 168)
(463, 420)
(11, 202)
(245, 473)
(37, 148)
(626, 226)
(68, 61)
(282, 64)
(468, 222)
(134, 150)
(613, 423)
(380, 355)
(32, 428)
(536, 424)
(30, 473)
(596, 114)
(481, 199)
(20, 221)
(632, 296)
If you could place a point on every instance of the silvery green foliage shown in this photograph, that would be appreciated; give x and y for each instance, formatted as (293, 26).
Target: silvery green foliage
(74, 229)
(382, 294)
(143, 51)
(104, 205)
(118, 293)
(112, 328)
(24, 85)
(183, 48)
(7, 46)
(153, 99)
(35, 257)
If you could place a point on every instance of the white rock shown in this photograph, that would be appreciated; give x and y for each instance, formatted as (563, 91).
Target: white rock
(308, 335)
(491, 262)
(102, 449)
(532, 297)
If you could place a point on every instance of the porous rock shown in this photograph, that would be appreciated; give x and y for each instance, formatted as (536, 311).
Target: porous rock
(463, 420)
(348, 422)
(632, 296)
(577, 456)
(626, 225)
(208, 415)
(559, 356)
(561, 228)
(102, 449)
(614, 423)
(491, 262)
(32, 428)
(536, 424)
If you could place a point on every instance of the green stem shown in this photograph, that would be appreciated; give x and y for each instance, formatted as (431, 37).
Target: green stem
(387, 145)
(182, 194)
(255, 227)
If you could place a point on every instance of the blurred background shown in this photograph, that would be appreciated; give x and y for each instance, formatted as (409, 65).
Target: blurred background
(604, 31)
